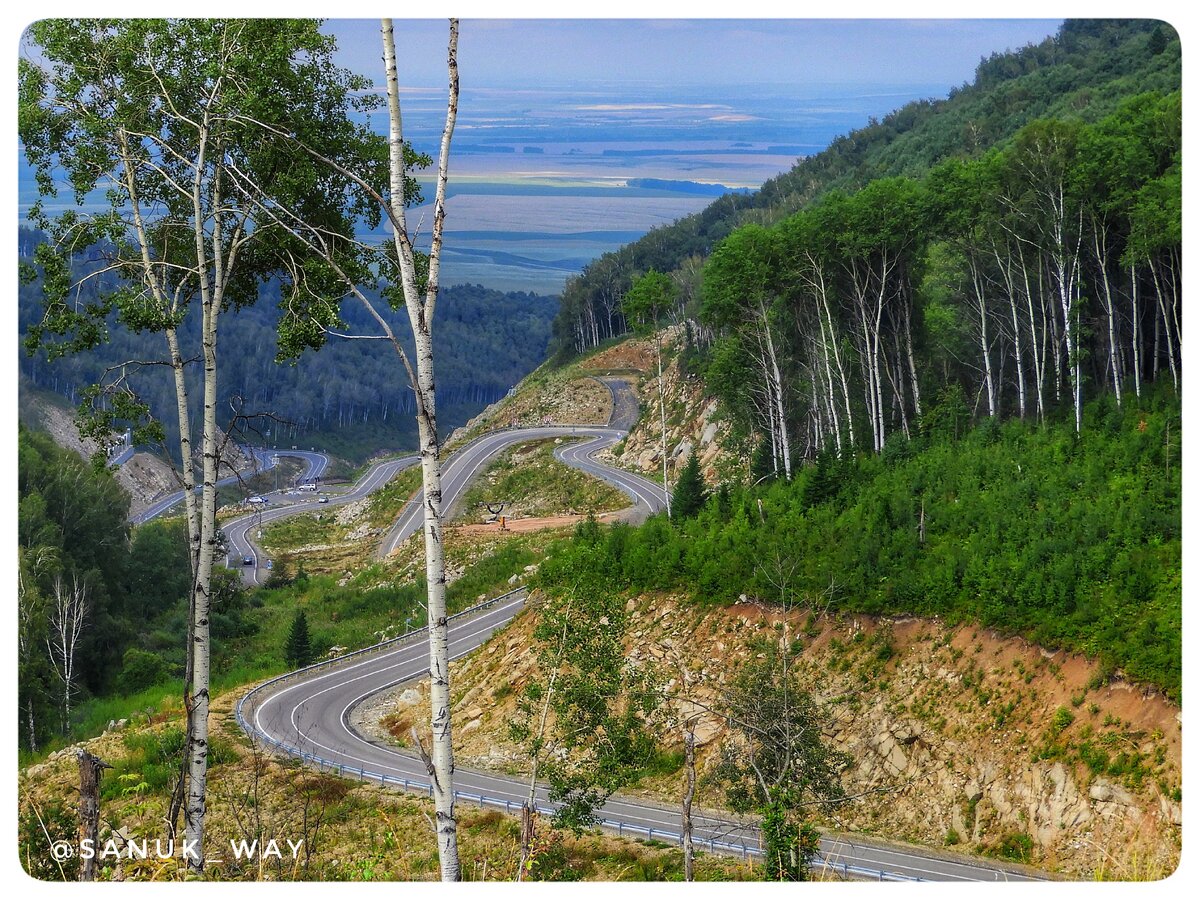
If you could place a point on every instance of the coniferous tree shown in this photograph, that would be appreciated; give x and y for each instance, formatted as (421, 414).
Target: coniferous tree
(298, 650)
(690, 491)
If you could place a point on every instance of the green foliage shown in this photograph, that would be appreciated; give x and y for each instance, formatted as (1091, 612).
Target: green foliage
(298, 653)
(597, 736)
(71, 522)
(690, 491)
(1083, 73)
(650, 296)
(1017, 846)
(141, 669)
(778, 765)
(1071, 541)
(790, 846)
(1063, 717)
(38, 829)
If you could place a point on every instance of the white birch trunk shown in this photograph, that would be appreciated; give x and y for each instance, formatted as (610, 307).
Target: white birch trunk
(1136, 340)
(984, 341)
(420, 314)
(1100, 248)
(662, 413)
(777, 384)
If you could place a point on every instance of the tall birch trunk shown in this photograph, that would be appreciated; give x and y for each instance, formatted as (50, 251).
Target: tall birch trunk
(777, 383)
(202, 598)
(1136, 340)
(1166, 319)
(420, 314)
(984, 340)
(662, 414)
(689, 749)
(1100, 248)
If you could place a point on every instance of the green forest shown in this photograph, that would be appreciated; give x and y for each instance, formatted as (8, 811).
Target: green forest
(102, 610)
(1082, 75)
(348, 399)
(1071, 541)
(950, 346)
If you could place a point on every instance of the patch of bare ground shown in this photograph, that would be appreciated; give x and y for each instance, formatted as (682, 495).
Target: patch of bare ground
(523, 526)
(960, 737)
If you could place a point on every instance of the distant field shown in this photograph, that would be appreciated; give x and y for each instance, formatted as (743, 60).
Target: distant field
(550, 168)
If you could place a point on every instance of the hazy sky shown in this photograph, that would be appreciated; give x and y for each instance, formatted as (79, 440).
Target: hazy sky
(695, 51)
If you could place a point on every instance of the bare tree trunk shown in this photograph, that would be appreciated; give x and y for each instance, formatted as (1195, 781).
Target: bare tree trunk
(777, 384)
(66, 627)
(1037, 354)
(202, 601)
(1166, 319)
(193, 527)
(662, 413)
(1100, 248)
(30, 725)
(420, 313)
(1136, 340)
(90, 768)
(689, 751)
(985, 346)
(822, 294)
(912, 362)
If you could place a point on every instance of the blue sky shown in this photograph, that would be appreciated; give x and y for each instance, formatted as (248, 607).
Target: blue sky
(692, 51)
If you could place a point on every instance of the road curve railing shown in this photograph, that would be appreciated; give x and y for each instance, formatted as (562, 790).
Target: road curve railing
(247, 703)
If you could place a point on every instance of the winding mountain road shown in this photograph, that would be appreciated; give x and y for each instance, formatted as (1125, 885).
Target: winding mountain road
(238, 531)
(265, 459)
(464, 466)
(309, 714)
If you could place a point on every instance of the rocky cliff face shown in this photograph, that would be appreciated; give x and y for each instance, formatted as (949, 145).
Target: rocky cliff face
(960, 738)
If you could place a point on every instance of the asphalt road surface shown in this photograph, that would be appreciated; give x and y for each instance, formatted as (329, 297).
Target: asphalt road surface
(465, 465)
(241, 532)
(309, 713)
(265, 462)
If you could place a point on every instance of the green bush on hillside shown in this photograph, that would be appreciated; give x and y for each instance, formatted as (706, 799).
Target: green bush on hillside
(1072, 541)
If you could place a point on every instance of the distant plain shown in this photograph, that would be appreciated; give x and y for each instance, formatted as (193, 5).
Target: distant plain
(543, 180)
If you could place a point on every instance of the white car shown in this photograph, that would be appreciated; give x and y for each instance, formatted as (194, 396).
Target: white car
(257, 500)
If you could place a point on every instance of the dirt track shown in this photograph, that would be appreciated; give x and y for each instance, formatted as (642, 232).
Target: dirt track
(521, 526)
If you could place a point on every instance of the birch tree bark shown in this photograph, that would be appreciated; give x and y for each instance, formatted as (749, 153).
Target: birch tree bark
(420, 315)
(67, 615)
(159, 115)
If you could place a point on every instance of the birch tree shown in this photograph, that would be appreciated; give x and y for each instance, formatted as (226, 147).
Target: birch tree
(162, 118)
(404, 278)
(1041, 161)
(68, 611)
(583, 717)
(741, 293)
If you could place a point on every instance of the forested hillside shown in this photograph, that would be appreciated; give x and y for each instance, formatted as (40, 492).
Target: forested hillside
(98, 611)
(1071, 542)
(1080, 75)
(349, 398)
(952, 347)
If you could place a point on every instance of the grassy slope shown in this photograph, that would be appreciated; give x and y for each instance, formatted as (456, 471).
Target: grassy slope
(352, 832)
(533, 483)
